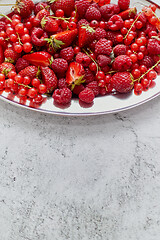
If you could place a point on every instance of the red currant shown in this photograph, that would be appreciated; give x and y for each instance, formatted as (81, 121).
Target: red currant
(27, 47)
(152, 75)
(42, 88)
(59, 13)
(2, 77)
(32, 93)
(18, 79)
(35, 82)
(26, 80)
(100, 75)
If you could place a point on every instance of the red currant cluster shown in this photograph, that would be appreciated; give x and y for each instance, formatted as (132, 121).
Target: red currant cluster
(17, 33)
(24, 87)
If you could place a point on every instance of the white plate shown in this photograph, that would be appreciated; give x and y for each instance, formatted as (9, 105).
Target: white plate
(102, 105)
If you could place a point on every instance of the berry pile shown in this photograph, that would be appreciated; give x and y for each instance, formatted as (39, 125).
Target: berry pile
(67, 48)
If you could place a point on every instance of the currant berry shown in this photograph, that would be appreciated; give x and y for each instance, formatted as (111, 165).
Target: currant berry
(32, 93)
(42, 88)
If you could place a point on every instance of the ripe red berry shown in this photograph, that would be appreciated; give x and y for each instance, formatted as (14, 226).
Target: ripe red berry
(32, 93)
(100, 75)
(42, 88)
(152, 75)
(27, 47)
(35, 82)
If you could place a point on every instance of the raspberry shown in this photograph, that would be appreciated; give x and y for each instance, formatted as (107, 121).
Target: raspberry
(150, 28)
(142, 18)
(82, 6)
(103, 60)
(39, 6)
(112, 36)
(77, 89)
(115, 23)
(122, 82)
(120, 49)
(67, 54)
(123, 4)
(87, 95)
(21, 64)
(62, 83)
(103, 47)
(82, 22)
(94, 87)
(59, 65)
(153, 47)
(105, 69)
(83, 59)
(100, 33)
(147, 61)
(122, 63)
(109, 10)
(62, 96)
(89, 76)
(92, 13)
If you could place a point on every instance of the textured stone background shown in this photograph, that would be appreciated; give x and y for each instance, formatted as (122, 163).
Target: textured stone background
(80, 178)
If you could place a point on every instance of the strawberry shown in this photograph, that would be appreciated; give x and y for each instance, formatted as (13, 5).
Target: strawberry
(10, 55)
(30, 71)
(49, 78)
(5, 68)
(122, 82)
(123, 4)
(38, 58)
(24, 8)
(21, 64)
(1, 55)
(129, 13)
(41, 14)
(66, 5)
(75, 74)
(62, 39)
(49, 24)
(85, 35)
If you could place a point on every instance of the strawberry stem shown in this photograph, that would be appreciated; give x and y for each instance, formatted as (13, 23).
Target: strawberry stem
(3, 15)
(147, 72)
(91, 59)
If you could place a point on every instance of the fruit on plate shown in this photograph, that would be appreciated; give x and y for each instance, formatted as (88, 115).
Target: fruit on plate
(84, 49)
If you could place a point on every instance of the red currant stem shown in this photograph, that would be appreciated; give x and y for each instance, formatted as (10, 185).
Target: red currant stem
(75, 13)
(24, 85)
(111, 72)
(138, 79)
(155, 15)
(98, 68)
(3, 15)
(133, 24)
(61, 18)
(19, 39)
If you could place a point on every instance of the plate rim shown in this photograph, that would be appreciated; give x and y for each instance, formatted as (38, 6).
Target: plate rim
(66, 113)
